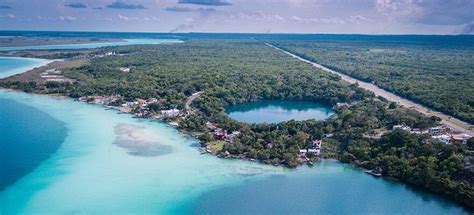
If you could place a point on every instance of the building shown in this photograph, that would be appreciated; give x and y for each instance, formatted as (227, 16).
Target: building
(317, 144)
(302, 152)
(211, 125)
(443, 138)
(219, 134)
(231, 137)
(170, 113)
(402, 127)
(460, 138)
(141, 102)
(314, 151)
(124, 69)
(435, 130)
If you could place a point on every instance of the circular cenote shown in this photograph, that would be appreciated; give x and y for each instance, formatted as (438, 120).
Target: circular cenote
(275, 111)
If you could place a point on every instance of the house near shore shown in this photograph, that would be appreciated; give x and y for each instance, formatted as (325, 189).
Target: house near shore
(211, 126)
(436, 130)
(401, 127)
(142, 102)
(219, 134)
(231, 137)
(314, 151)
(302, 152)
(442, 138)
(128, 104)
(170, 113)
(460, 138)
(317, 143)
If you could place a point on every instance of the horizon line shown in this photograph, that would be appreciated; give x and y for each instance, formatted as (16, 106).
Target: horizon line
(256, 33)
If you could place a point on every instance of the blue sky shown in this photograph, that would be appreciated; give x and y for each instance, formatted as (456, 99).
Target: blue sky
(259, 16)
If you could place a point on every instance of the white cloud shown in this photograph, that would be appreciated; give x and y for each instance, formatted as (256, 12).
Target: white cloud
(125, 18)
(7, 16)
(67, 18)
(359, 19)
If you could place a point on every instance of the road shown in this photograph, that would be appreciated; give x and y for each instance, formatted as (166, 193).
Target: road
(449, 121)
(190, 100)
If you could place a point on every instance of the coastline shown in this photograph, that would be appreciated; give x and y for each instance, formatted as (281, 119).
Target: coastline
(243, 172)
(162, 121)
(38, 62)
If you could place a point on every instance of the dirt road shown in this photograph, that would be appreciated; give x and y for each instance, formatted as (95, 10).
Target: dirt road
(449, 121)
(190, 100)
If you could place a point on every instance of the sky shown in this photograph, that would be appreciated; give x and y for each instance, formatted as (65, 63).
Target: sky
(243, 16)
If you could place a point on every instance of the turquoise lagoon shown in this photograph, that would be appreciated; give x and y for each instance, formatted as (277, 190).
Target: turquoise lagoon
(92, 45)
(93, 173)
(274, 111)
(15, 65)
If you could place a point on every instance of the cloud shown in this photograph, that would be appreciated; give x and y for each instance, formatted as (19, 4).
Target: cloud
(7, 16)
(468, 28)
(359, 19)
(258, 16)
(330, 20)
(187, 9)
(128, 18)
(182, 27)
(205, 2)
(67, 18)
(75, 5)
(122, 5)
(430, 12)
(5, 7)
(179, 9)
(97, 8)
(125, 18)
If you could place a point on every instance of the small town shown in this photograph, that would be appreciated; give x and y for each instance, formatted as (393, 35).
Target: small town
(140, 108)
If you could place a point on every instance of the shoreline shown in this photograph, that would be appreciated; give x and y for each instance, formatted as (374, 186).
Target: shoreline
(187, 134)
(38, 62)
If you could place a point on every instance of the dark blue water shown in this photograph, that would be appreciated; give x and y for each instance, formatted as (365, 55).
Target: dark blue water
(331, 188)
(273, 111)
(28, 136)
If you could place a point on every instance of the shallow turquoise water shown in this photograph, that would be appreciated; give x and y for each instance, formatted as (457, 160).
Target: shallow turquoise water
(273, 111)
(90, 174)
(14, 65)
(92, 45)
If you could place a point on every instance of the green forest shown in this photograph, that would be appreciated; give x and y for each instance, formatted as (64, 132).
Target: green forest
(231, 71)
(440, 76)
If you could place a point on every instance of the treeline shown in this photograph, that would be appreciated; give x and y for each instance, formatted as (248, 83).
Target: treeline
(439, 76)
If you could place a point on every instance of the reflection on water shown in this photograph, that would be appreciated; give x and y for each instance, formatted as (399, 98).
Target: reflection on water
(274, 111)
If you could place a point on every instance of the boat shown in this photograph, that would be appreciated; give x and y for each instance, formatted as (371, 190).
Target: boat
(377, 171)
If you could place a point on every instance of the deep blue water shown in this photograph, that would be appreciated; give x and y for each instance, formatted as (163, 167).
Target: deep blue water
(273, 111)
(27, 137)
(331, 188)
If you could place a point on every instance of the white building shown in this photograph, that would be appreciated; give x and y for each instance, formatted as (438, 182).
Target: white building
(402, 127)
(443, 138)
(170, 113)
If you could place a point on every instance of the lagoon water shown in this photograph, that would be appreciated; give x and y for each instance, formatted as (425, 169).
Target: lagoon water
(273, 111)
(80, 158)
(92, 45)
(15, 65)
(89, 173)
